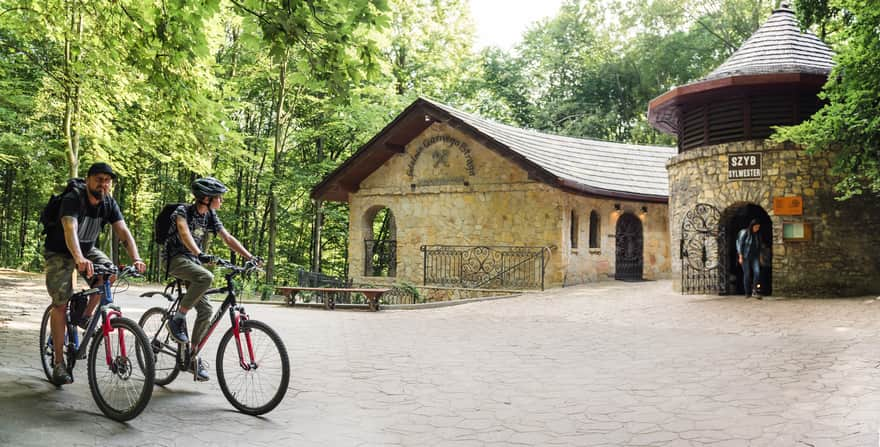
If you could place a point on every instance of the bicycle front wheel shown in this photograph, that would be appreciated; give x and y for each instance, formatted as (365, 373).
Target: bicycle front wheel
(47, 349)
(253, 384)
(122, 386)
(164, 347)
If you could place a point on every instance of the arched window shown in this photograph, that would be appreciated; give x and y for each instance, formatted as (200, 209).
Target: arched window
(594, 229)
(574, 229)
(380, 242)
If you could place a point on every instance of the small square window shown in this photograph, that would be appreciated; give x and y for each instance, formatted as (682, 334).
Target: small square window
(797, 231)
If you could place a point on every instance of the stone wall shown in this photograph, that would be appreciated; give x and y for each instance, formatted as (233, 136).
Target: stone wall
(586, 264)
(449, 189)
(453, 197)
(840, 259)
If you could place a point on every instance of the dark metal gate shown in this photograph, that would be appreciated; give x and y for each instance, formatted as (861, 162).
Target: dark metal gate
(703, 250)
(629, 259)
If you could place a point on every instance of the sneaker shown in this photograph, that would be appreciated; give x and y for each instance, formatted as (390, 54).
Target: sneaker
(60, 375)
(177, 328)
(200, 371)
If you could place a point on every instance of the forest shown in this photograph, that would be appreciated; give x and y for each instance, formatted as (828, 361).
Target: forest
(270, 96)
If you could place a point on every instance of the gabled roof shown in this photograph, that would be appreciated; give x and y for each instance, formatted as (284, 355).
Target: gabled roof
(590, 167)
(778, 46)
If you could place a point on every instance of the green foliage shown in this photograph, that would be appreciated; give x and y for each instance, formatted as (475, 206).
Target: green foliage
(591, 70)
(272, 96)
(410, 289)
(849, 125)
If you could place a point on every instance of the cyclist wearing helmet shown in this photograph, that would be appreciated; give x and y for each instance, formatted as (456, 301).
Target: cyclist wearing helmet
(184, 252)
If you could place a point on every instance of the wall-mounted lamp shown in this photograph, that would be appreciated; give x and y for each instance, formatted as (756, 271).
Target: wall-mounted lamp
(428, 118)
(616, 207)
(645, 209)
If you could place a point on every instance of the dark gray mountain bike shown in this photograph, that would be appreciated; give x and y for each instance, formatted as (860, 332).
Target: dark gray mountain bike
(253, 368)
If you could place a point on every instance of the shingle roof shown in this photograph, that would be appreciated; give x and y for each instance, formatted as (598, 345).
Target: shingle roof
(778, 46)
(590, 165)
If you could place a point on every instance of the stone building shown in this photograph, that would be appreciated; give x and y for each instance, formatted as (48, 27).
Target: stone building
(727, 172)
(443, 197)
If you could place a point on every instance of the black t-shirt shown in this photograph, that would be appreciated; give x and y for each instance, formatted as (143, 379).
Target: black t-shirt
(91, 221)
(199, 227)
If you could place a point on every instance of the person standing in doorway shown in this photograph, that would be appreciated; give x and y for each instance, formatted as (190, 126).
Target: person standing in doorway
(748, 247)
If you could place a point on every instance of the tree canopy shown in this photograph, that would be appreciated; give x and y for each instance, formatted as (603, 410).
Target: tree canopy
(849, 124)
(271, 96)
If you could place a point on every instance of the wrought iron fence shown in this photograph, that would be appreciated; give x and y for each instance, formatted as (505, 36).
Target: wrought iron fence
(496, 267)
(380, 258)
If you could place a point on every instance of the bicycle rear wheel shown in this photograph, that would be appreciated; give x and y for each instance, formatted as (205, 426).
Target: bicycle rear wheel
(123, 388)
(164, 348)
(258, 386)
(47, 350)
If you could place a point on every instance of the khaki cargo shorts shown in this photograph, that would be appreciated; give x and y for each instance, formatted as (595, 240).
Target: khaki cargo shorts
(59, 273)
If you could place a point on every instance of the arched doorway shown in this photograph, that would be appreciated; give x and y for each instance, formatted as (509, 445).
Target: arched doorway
(735, 218)
(380, 242)
(628, 259)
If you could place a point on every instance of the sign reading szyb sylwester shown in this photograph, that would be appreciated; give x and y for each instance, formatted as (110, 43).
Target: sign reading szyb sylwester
(744, 166)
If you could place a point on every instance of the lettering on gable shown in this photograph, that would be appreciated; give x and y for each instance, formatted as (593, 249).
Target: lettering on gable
(440, 155)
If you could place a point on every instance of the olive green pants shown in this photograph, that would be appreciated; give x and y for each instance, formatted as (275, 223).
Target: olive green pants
(198, 280)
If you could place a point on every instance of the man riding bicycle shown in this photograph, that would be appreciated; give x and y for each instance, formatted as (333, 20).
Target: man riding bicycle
(83, 214)
(184, 254)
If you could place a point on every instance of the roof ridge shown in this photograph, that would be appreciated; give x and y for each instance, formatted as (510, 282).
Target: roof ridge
(525, 130)
(626, 168)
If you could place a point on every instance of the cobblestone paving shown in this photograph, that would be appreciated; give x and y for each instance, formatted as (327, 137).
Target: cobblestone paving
(607, 364)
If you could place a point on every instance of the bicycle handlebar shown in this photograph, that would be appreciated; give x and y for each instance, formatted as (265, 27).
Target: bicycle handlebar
(110, 270)
(248, 267)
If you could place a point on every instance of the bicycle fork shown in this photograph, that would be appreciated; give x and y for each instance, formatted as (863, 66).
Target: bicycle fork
(238, 318)
(106, 330)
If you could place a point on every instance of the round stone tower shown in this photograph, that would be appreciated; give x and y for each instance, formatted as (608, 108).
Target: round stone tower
(727, 173)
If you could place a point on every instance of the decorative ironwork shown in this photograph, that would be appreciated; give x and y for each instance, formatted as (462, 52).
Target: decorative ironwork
(628, 256)
(380, 258)
(703, 250)
(496, 267)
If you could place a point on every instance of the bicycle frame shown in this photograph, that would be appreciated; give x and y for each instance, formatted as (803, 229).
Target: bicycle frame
(237, 315)
(107, 310)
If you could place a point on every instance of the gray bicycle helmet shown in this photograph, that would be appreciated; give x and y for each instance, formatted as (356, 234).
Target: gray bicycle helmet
(208, 187)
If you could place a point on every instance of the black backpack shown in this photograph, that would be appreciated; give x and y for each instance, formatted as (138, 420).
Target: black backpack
(50, 217)
(162, 226)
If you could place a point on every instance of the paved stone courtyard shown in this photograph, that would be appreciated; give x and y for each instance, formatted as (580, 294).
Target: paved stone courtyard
(607, 364)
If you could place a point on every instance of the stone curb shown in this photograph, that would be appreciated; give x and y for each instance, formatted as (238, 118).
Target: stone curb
(433, 305)
(436, 304)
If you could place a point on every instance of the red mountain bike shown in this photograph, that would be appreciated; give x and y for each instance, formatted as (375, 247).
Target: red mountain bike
(253, 368)
(120, 385)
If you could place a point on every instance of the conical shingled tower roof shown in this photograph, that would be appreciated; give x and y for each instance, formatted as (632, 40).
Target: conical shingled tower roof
(778, 57)
(778, 46)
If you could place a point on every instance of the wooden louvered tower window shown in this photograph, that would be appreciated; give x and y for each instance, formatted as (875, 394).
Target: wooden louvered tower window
(743, 118)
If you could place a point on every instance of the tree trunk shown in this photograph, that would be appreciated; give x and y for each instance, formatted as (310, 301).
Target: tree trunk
(72, 93)
(319, 219)
(25, 217)
(6, 216)
(276, 170)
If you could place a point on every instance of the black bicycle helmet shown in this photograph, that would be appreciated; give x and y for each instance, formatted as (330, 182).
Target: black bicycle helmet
(208, 187)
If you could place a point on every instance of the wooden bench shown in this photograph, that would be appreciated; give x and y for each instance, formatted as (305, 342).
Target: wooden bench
(372, 295)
